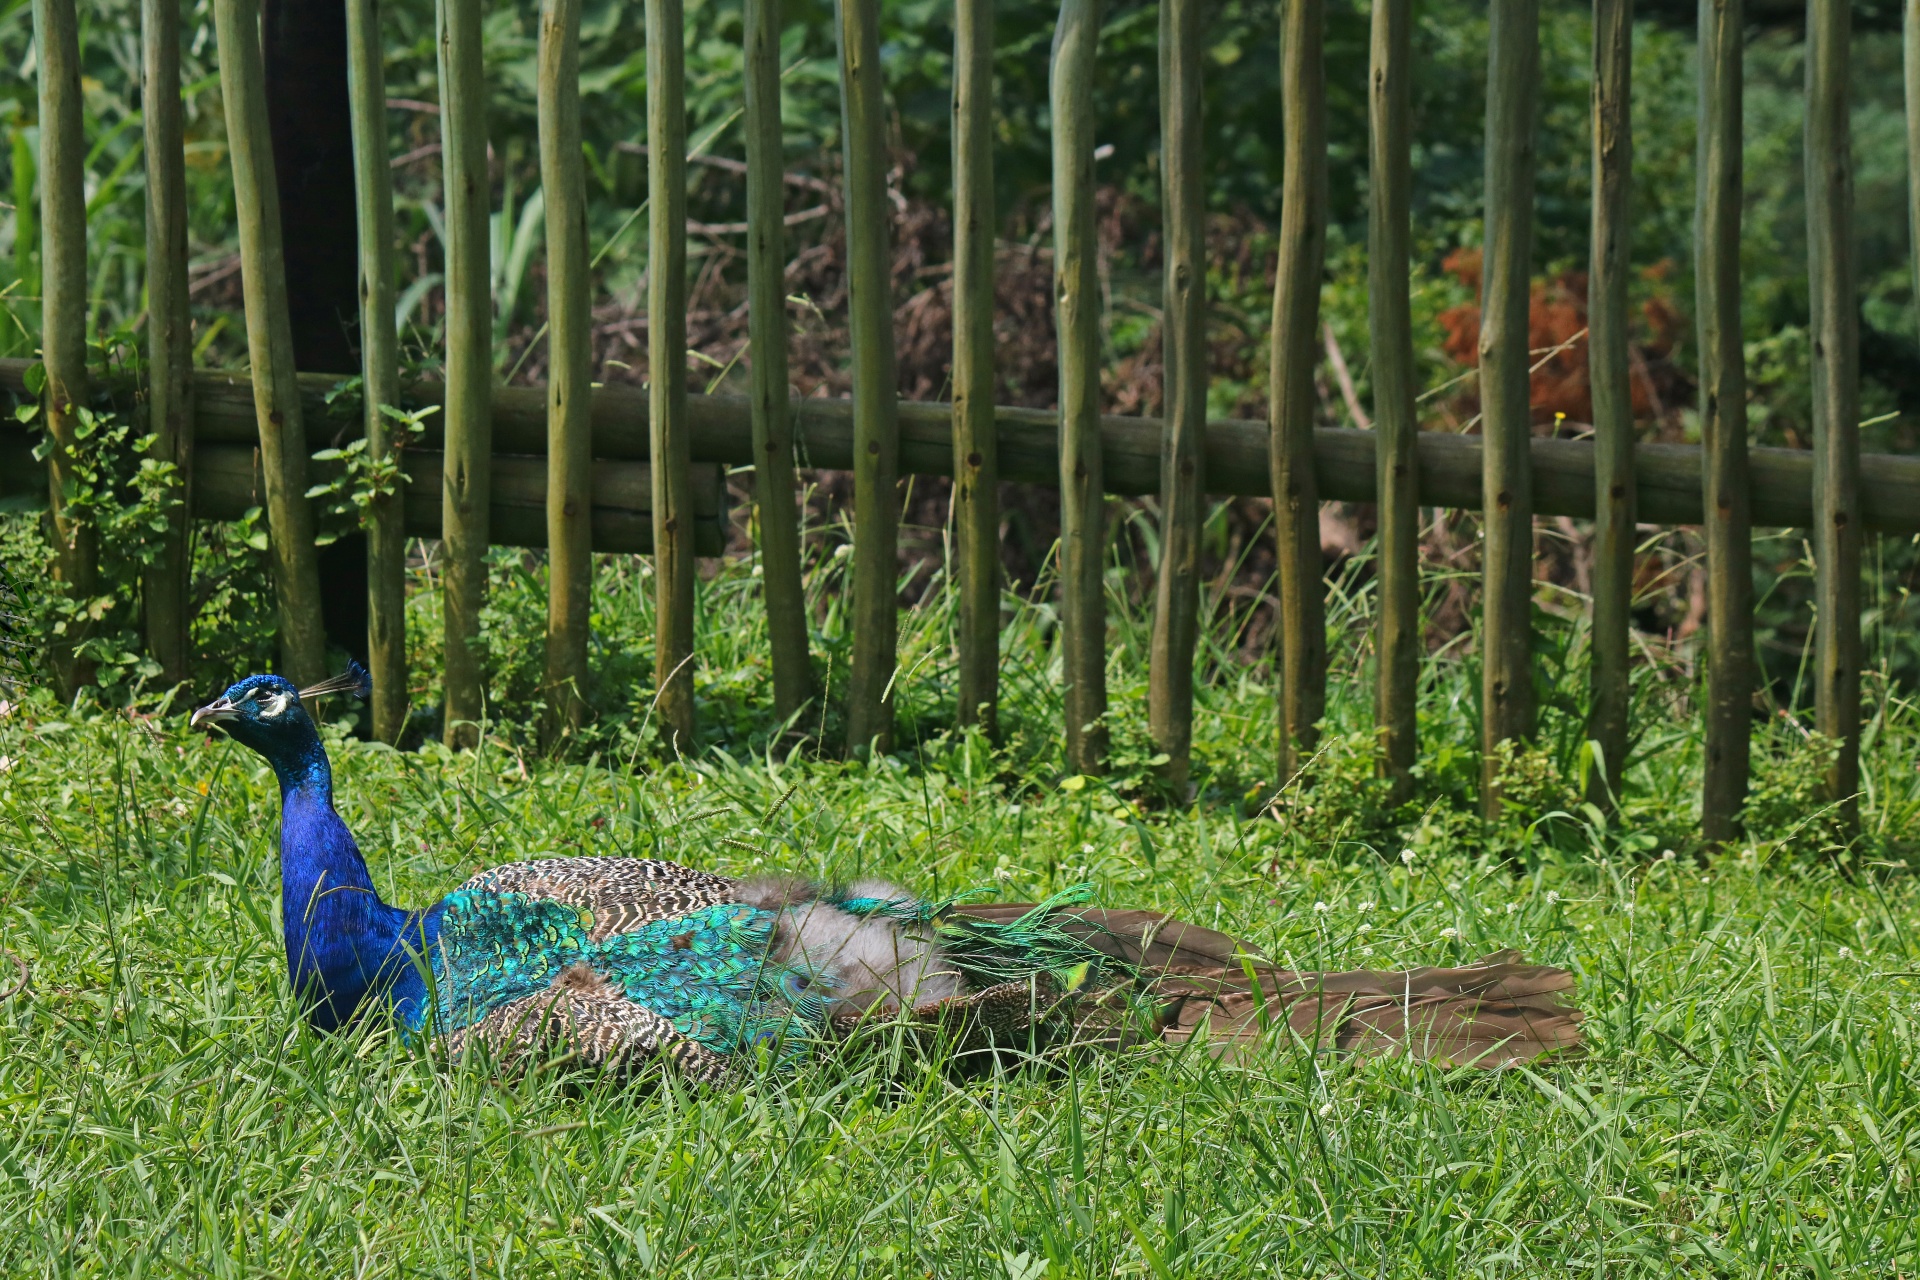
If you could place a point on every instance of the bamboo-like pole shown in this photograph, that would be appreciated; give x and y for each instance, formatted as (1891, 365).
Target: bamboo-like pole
(876, 393)
(667, 369)
(63, 327)
(570, 359)
(1513, 75)
(276, 384)
(1725, 495)
(164, 585)
(1296, 334)
(781, 585)
(1184, 338)
(1836, 398)
(1076, 298)
(466, 480)
(379, 365)
(1610, 378)
(1395, 419)
(976, 453)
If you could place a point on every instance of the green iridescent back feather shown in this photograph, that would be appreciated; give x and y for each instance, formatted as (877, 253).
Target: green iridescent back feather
(989, 953)
(708, 973)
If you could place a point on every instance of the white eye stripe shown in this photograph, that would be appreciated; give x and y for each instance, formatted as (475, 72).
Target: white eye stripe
(274, 706)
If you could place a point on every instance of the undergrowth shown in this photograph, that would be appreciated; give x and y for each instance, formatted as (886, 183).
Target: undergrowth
(1747, 1105)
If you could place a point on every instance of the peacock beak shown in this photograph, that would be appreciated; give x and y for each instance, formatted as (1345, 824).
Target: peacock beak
(213, 713)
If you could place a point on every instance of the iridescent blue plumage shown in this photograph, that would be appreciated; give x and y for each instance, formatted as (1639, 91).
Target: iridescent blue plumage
(709, 973)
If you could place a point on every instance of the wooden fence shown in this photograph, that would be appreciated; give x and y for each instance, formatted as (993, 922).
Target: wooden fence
(576, 468)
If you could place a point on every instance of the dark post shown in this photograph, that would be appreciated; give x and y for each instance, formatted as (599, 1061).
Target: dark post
(1727, 523)
(1608, 375)
(1184, 338)
(164, 586)
(570, 364)
(1836, 398)
(386, 562)
(466, 476)
(667, 369)
(63, 310)
(304, 46)
(767, 326)
(1396, 420)
(1076, 301)
(976, 452)
(876, 391)
(1513, 74)
(1296, 334)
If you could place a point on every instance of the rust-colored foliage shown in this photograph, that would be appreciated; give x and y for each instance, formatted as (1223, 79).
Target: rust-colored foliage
(1556, 334)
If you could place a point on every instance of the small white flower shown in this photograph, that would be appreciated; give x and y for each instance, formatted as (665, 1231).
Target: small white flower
(1846, 953)
(1003, 873)
(1706, 879)
(1553, 896)
(7, 763)
(1326, 1109)
(842, 551)
(179, 808)
(1365, 928)
(1668, 855)
(1366, 951)
(1407, 856)
(1627, 907)
(1453, 886)
(1322, 907)
(1365, 906)
(6, 708)
(1449, 932)
(1086, 848)
(1512, 907)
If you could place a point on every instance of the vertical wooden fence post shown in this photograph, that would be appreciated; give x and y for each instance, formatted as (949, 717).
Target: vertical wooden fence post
(767, 328)
(1296, 343)
(667, 368)
(876, 392)
(466, 479)
(1723, 422)
(379, 364)
(1608, 374)
(1513, 73)
(1184, 338)
(1396, 422)
(63, 309)
(570, 369)
(164, 585)
(276, 387)
(1836, 397)
(1076, 300)
(976, 449)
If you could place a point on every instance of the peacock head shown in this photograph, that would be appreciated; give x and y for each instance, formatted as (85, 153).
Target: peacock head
(265, 712)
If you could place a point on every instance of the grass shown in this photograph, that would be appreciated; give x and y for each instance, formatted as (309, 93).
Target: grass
(1749, 1105)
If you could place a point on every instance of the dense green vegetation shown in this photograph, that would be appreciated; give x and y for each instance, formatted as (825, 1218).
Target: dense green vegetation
(1747, 1108)
(1749, 1103)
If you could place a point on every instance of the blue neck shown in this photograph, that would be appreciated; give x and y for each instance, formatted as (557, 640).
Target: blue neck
(343, 943)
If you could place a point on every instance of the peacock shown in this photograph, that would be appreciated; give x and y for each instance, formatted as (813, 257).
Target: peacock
(620, 961)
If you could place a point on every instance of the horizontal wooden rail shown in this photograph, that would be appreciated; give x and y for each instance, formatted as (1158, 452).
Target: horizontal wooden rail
(1235, 453)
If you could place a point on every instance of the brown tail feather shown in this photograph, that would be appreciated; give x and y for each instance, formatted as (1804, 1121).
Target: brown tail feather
(1494, 1013)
